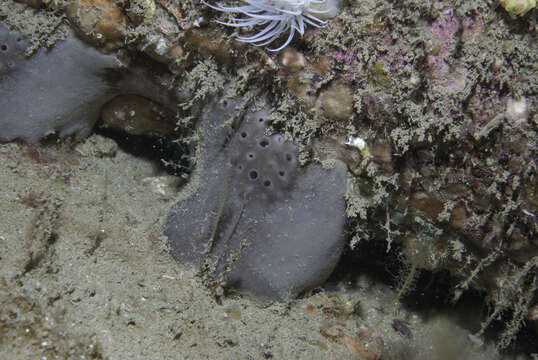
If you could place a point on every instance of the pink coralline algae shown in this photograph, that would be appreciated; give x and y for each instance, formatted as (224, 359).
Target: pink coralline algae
(444, 28)
(472, 26)
(393, 58)
(348, 57)
(350, 60)
(450, 72)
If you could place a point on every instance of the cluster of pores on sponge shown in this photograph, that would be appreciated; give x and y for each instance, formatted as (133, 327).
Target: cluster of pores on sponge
(262, 165)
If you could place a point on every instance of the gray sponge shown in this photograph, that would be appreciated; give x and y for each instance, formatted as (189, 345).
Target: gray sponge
(258, 221)
(61, 89)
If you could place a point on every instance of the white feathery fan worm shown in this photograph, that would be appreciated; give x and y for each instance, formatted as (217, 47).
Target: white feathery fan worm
(278, 16)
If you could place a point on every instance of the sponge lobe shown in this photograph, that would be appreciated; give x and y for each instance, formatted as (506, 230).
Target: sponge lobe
(263, 166)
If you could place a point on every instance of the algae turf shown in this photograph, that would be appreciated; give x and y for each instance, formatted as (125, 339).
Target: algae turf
(453, 68)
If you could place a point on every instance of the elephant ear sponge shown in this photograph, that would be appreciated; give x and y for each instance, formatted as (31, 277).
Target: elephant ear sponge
(258, 221)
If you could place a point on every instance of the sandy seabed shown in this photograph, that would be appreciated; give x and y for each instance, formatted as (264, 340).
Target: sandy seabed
(85, 274)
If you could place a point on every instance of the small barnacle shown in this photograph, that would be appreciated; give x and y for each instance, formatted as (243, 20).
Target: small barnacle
(358, 143)
(278, 16)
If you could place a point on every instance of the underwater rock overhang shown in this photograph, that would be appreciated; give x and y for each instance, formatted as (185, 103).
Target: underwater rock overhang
(257, 221)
